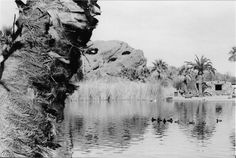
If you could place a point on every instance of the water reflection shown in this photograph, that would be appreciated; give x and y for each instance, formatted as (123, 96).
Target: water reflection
(201, 116)
(95, 125)
(125, 129)
(204, 127)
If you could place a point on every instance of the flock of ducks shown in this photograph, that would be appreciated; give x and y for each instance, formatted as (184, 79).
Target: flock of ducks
(170, 120)
(164, 120)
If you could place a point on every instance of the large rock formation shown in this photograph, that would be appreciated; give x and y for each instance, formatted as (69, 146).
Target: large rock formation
(110, 58)
(37, 62)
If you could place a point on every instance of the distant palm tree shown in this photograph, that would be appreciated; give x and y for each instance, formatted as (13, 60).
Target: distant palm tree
(201, 65)
(5, 35)
(160, 67)
(233, 54)
(185, 74)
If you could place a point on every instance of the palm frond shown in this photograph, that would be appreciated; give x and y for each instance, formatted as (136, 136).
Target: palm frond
(233, 51)
(201, 64)
(232, 57)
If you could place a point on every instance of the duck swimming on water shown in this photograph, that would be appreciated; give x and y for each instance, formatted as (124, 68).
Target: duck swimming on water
(159, 119)
(153, 100)
(177, 121)
(153, 119)
(218, 120)
(191, 122)
(170, 120)
(164, 121)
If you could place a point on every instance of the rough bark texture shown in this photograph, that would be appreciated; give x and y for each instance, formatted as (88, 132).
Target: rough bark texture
(39, 60)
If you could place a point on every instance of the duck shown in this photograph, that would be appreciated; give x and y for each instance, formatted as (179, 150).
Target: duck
(177, 121)
(153, 119)
(191, 122)
(164, 120)
(170, 120)
(153, 100)
(218, 120)
(159, 119)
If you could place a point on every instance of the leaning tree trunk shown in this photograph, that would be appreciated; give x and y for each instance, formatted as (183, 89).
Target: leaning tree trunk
(39, 61)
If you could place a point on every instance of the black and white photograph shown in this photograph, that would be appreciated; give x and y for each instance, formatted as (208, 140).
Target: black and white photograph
(117, 78)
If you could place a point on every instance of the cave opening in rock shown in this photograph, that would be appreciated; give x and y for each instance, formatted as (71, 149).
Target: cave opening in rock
(126, 53)
(112, 59)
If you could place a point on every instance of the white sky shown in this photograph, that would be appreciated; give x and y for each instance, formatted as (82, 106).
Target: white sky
(170, 30)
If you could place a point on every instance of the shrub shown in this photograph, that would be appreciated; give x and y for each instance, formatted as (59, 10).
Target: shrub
(133, 74)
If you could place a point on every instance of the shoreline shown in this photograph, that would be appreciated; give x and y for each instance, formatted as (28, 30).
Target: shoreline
(210, 98)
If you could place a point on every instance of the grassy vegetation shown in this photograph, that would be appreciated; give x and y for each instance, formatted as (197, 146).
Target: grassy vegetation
(117, 90)
(24, 130)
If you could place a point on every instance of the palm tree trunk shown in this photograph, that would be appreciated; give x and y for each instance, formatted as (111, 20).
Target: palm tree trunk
(185, 86)
(200, 81)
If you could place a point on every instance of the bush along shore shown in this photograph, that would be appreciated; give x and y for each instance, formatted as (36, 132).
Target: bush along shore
(38, 59)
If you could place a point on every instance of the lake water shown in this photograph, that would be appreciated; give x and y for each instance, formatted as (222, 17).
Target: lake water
(125, 130)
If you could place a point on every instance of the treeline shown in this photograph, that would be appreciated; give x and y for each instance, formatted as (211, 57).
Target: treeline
(183, 78)
(146, 74)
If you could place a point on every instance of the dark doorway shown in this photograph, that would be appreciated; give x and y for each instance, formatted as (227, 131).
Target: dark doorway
(218, 87)
(197, 85)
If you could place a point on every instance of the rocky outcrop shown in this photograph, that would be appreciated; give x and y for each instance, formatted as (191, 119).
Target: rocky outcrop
(37, 62)
(110, 58)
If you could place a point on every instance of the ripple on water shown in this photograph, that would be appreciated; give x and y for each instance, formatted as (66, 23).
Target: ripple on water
(100, 130)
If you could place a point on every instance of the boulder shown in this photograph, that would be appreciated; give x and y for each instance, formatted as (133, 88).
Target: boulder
(111, 58)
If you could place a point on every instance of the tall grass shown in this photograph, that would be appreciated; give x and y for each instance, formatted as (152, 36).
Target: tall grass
(117, 90)
(23, 128)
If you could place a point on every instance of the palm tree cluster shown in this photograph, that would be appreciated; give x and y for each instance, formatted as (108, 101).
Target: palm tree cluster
(201, 65)
(189, 78)
(184, 77)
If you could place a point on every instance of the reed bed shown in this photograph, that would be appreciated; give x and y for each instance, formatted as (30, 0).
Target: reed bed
(118, 90)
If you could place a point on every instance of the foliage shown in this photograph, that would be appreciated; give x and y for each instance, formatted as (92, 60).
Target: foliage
(5, 37)
(133, 74)
(177, 83)
(172, 72)
(186, 74)
(6, 32)
(201, 65)
(160, 67)
(232, 54)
